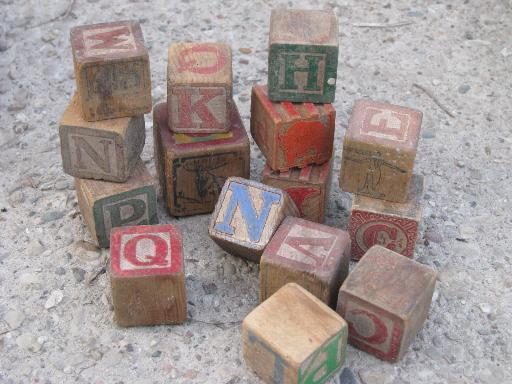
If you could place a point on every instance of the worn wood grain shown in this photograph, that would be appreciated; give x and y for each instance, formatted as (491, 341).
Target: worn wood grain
(385, 300)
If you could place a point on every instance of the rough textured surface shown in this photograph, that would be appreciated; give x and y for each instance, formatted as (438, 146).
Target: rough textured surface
(56, 319)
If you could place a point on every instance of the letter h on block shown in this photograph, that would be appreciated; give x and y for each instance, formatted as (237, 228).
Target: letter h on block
(246, 216)
(147, 275)
(303, 56)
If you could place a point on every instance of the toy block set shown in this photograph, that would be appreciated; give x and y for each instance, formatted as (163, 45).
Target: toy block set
(311, 306)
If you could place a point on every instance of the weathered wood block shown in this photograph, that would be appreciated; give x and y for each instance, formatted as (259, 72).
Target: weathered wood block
(193, 168)
(303, 55)
(312, 255)
(385, 300)
(292, 337)
(379, 150)
(199, 87)
(147, 275)
(308, 187)
(392, 225)
(105, 205)
(247, 215)
(291, 134)
(111, 70)
(106, 150)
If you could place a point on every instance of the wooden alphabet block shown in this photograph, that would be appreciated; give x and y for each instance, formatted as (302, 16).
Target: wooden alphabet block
(308, 187)
(192, 168)
(105, 150)
(303, 55)
(312, 255)
(379, 150)
(199, 87)
(391, 225)
(247, 215)
(294, 338)
(291, 134)
(385, 300)
(106, 205)
(147, 275)
(111, 70)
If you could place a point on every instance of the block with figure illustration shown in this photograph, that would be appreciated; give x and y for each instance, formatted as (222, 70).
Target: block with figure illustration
(291, 134)
(385, 301)
(105, 205)
(379, 150)
(105, 150)
(380, 222)
(312, 255)
(303, 55)
(294, 338)
(199, 87)
(308, 187)
(147, 275)
(111, 70)
(192, 168)
(246, 216)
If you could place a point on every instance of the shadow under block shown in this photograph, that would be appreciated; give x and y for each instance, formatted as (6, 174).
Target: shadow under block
(386, 300)
(303, 55)
(391, 225)
(246, 216)
(292, 337)
(199, 87)
(312, 255)
(111, 70)
(308, 187)
(291, 134)
(192, 169)
(379, 150)
(147, 275)
(105, 205)
(105, 150)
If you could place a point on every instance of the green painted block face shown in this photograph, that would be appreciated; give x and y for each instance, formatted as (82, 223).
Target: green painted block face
(135, 207)
(325, 361)
(302, 73)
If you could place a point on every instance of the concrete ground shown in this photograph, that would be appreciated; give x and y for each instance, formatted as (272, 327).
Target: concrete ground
(55, 307)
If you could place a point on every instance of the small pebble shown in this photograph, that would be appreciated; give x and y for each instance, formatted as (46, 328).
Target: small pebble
(464, 88)
(54, 299)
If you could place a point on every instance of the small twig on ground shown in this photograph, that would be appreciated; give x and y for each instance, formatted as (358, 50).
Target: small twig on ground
(219, 324)
(101, 271)
(62, 16)
(429, 93)
(382, 25)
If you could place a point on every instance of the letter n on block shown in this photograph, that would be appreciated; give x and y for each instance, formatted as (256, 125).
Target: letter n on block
(147, 275)
(246, 216)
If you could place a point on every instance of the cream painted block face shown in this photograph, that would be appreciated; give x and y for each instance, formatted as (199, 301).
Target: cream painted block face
(139, 252)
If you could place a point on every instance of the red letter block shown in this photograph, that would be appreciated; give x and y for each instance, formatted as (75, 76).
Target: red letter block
(199, 87)
(385, 300)
(392, 225)
(312, 255)
(291, 134)
(147, 275)
(308, 187)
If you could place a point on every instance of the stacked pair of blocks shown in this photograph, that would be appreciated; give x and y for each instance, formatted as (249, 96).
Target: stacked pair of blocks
(199, 136)
(292, 121)
(102, 132)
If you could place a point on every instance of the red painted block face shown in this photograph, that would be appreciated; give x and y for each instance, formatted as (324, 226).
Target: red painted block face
(291, 134)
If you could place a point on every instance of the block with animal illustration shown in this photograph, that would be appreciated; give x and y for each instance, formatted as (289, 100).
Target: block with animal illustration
(246, 216)
(106, 150)
(308, 187)
(193, 168)
(303, 55)
(391, 225)
(291, 134)
(111, 70)
(199, 87)
(105, 205)
(294, 338)
(379, 150)
(147, 275)
(312, 255)
(385, 301)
